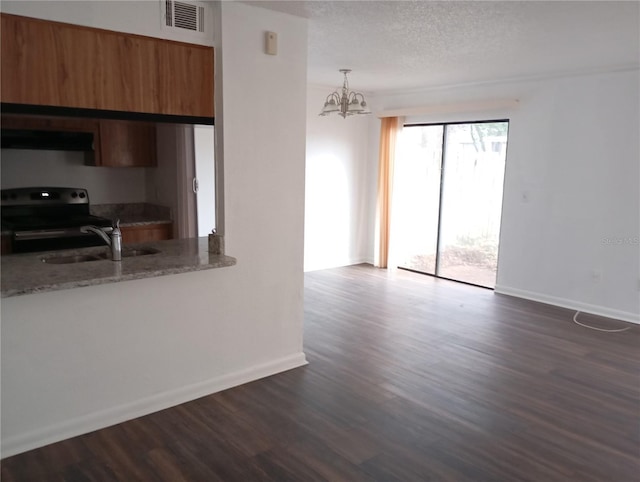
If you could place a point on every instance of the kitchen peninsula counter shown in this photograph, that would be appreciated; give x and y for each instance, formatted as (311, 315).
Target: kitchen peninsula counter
(27, 273)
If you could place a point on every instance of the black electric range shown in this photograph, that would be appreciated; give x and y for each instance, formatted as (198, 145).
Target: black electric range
(49, 218)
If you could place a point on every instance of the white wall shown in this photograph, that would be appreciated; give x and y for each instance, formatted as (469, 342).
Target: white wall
(571, 211)
(76, 360)
(338, 220)
(264, 147)
(27, 168)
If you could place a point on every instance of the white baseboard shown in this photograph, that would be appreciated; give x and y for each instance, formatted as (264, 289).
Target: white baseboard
(570, 304)
(338, 264)
(128, 411)
(360, 261)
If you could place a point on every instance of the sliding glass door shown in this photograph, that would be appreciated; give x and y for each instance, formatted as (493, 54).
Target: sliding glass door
(449, 199)
(417, 197)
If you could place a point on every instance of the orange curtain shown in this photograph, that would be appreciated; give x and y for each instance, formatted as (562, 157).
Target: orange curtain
(388, 135)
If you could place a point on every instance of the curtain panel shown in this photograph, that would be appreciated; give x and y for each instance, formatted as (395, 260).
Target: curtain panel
(389, 130)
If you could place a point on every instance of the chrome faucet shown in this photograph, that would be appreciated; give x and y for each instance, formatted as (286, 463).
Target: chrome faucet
(114, 242)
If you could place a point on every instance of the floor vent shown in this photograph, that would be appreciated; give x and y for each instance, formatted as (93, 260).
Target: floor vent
(183, 16)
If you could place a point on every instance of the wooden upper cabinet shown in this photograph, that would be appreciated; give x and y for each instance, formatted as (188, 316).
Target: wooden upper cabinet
(127, 144)
(129, 73)
(185, 68)
(56, 64)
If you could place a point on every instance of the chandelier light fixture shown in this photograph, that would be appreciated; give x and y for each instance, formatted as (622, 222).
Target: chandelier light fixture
(345, 103)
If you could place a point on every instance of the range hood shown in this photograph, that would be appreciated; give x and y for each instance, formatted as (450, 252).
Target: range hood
(47, 140)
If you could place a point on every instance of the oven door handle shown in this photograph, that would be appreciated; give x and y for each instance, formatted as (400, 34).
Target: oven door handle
(43, 234)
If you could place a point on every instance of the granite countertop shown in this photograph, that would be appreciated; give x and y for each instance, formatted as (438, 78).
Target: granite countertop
(133, 214)
(27, 273)
(141, 221)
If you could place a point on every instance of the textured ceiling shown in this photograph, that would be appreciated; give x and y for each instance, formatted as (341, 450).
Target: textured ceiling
(393, 45)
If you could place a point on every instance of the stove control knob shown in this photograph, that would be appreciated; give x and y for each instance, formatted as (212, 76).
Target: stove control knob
(74, 194)
(82, 195)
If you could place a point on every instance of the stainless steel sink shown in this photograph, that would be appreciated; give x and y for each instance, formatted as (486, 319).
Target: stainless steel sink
(76, 258)
(83, 258)
(126, 253)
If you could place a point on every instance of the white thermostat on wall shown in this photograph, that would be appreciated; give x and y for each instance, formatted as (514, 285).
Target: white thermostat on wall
(271, 43)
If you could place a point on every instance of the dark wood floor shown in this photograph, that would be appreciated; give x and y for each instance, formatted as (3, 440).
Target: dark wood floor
(410, 378)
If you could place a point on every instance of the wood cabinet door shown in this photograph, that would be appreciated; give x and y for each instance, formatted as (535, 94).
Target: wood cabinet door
(185, 75)
(127, 143)
(146, 233)
(129, 73)
(56, 64)
(46, 63)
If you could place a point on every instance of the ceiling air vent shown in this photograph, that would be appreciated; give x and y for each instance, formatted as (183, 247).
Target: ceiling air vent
(183, 16)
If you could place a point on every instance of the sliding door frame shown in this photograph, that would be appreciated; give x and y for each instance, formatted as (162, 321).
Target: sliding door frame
(443, 154)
